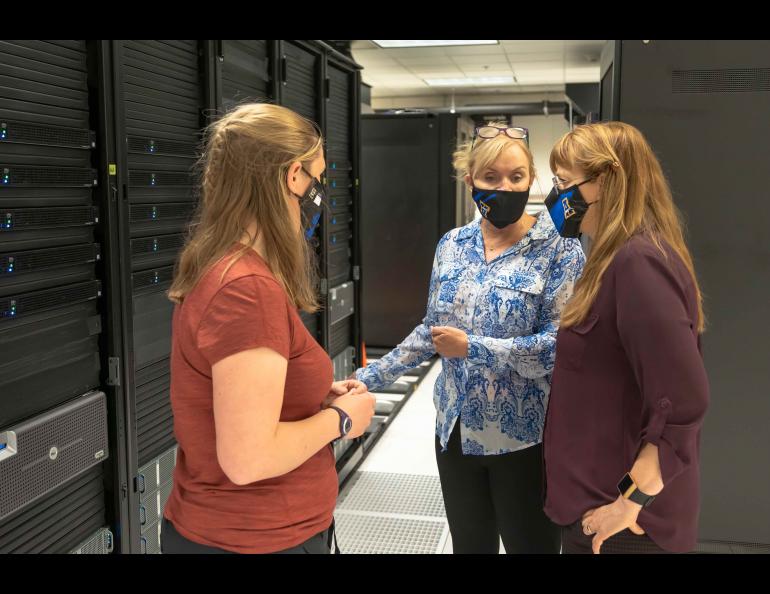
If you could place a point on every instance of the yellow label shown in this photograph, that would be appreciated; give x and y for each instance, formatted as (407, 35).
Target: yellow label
(113, 169)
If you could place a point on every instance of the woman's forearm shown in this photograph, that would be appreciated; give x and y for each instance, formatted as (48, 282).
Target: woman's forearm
(646, 470)
(292, 444)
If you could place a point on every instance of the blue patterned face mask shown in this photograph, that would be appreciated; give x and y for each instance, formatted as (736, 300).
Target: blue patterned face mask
(567, 208)
(311, 204)
(500, 207)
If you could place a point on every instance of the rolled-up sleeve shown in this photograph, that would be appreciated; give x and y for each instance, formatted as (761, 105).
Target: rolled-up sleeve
(657, 334)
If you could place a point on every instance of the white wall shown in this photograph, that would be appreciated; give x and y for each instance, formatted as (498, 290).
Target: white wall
(544, 131)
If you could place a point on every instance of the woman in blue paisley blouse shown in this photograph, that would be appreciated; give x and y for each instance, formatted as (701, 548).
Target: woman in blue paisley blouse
(497, 290)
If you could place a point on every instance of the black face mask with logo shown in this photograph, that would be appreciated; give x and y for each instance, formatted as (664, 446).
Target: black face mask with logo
(500, 207)
(567, 208)
(311, 204)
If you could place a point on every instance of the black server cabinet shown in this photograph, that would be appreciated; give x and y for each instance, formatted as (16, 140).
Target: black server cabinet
(705, 108)
(50, 291)
(300, 75)
(341, 127)
(408, 203)
(243, 75)
(160, 96)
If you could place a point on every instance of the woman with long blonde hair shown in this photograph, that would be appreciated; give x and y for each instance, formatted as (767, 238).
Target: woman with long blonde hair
(629, 390)
(255, 407)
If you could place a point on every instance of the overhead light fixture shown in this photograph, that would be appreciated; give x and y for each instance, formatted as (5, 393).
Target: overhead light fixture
(393, 43)
(471, 81)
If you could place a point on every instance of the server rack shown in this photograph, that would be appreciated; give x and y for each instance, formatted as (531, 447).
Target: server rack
(50, 300)
(704, 107)
(410, 199)
(159, 100)
(97, 144)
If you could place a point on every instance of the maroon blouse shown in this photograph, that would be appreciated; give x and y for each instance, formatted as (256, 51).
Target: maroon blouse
(631, 373)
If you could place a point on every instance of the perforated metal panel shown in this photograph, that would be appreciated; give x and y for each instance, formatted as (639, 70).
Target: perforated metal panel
(722, 547)
(394, 493)
(362, 534)
(52, 449)
(100, 543)
(150, 540)
(723, 80)
(155, 482)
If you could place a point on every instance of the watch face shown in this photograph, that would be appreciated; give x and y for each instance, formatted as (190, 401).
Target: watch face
(347, 425)
(625, 484)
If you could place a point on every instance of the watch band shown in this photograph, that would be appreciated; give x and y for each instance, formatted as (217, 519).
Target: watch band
(343, 418)
(628, 490)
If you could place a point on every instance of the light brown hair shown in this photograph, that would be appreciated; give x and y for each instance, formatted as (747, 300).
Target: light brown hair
(246, 158)
(634, 197)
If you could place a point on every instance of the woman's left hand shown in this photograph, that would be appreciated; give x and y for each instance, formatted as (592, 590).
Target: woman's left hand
(450, 342)
(608, 520)
(343, 387)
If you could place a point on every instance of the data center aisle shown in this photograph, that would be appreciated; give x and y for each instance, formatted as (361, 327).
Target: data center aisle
(393, 502)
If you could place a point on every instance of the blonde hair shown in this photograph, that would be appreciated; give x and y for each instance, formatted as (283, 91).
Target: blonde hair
(471, 157)
(635, 196)
(246, 158)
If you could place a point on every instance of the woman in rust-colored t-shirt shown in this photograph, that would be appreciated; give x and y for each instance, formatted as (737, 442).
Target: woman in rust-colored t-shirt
(255, 407)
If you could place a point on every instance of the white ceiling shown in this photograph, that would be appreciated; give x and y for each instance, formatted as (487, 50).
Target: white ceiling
(536, 65)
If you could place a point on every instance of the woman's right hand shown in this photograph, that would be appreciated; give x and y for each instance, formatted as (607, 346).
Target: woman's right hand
(360, 409)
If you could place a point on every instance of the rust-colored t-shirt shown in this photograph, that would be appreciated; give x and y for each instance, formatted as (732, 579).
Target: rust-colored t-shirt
(246, 309)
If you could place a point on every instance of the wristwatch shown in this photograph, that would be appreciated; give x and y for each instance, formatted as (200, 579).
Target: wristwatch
(346, 424)
(629, 490)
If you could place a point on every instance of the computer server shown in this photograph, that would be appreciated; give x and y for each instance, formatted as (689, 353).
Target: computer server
(50, 299)
(681, 95)
(98, 141)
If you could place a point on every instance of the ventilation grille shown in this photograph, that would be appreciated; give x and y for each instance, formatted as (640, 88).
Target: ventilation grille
(155, 212)
(52, 449)
(25, 133)
(152, 245)
(152, 146)
(48, 218)
(50, 258)
(727, 80)
(57, 177)
(29, 303)
(100, 543)
(151, 278)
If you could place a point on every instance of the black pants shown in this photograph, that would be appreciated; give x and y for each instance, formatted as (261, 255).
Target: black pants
(575, 542)
(489, 497)
(171, 542)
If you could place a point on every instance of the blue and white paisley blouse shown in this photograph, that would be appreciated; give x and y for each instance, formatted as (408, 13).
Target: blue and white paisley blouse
(510, 309)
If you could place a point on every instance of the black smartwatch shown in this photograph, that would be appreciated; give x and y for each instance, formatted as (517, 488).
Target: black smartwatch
(629, 490)
(346, 424)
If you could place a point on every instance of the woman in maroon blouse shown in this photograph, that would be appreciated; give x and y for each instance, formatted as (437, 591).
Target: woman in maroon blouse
(629, 389)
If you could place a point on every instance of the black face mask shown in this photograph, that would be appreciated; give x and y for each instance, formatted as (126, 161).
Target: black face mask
(567, 209)
(311, 204)
(500, 207)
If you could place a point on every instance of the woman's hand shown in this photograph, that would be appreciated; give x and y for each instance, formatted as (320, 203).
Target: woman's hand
(450, 342)
(351, 386)
(610, 519)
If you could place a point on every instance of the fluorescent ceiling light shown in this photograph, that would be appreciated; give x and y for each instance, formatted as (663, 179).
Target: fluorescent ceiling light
(389, 43)
(464, 82)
